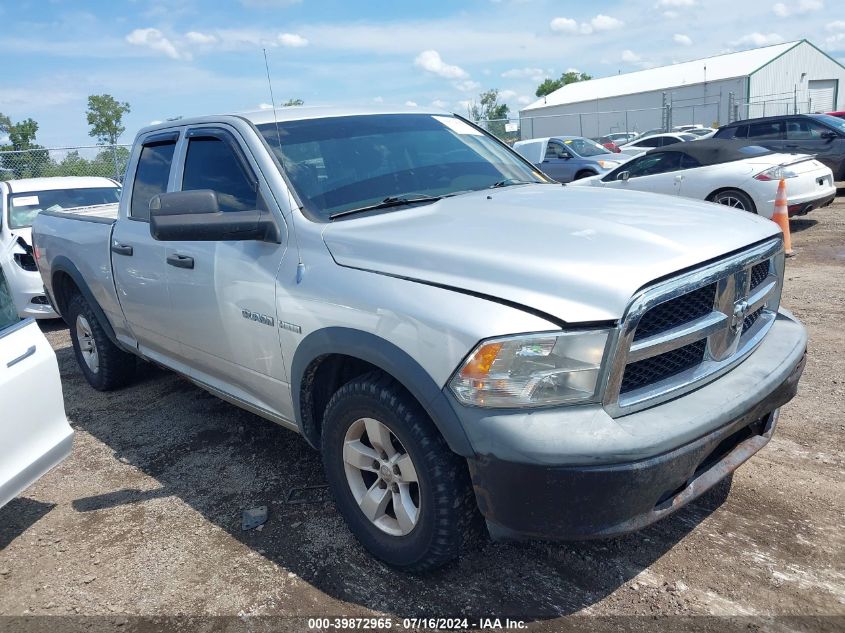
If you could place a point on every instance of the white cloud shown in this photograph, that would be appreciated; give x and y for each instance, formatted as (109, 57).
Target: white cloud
(605, 23)
(670, 15)
(468, 85)
(292, 40)
(564, 25)
(630, 57)
(506, 95)
(758, 39)
(675, 3)
(265, 106)
(836, 25)
(154, 40)
(524, 100)
(430, 61)
(439, 103)
(411, 104)
(534, 74)
(797, 8)
(195, 37)
(683, 40)
(599, 23)
(378, 100)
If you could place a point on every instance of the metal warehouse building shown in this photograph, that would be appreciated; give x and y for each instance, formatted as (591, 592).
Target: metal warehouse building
(780, 79)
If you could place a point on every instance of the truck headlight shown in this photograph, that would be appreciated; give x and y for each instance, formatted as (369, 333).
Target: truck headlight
(532, 370)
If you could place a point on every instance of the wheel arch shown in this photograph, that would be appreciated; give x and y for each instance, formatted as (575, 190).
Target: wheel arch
(585, 173)
(328, 358)
(65, 281)
(710, 197)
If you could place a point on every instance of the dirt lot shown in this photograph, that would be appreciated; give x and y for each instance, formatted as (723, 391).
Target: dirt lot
(144, 517)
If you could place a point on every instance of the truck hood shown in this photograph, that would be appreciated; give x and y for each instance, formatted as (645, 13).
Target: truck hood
(576, 253)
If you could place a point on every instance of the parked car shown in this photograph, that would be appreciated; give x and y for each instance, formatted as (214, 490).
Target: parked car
(818, 134)
(34, 432)
(20, 201)
(702, 132)
(568, 158)
(454, 331)
(607, 143)
(645, 143)
(839, 115)
(732, 173)
(620, 138)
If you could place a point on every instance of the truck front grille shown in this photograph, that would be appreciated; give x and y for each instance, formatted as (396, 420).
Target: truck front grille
(681, 333)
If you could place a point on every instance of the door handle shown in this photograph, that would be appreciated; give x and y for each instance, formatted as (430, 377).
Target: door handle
(180, 261)
(121, 249)
(23, 356)
(791, 145)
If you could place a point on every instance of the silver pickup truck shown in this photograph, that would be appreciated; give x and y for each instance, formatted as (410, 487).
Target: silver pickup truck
(453, 331)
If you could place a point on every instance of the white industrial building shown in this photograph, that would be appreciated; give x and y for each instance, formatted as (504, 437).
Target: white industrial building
(779, 79)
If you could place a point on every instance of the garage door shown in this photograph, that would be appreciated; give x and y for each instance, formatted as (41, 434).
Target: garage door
(822, 92)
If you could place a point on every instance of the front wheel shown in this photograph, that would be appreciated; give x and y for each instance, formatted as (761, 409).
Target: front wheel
(404, 494)
(735, 199)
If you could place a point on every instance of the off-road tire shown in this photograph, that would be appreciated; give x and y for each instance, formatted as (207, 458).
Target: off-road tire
(447, 511)
(116, 367)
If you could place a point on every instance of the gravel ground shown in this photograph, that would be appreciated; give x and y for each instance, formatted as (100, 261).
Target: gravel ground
(144, 517)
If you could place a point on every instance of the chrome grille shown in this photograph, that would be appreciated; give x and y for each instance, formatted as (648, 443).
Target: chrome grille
(681, 333)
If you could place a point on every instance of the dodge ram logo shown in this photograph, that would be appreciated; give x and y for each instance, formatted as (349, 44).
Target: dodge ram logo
(740, 311)
(257, 317)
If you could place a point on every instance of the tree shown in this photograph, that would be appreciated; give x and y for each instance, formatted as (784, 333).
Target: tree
(293, 102)
(24, 158)
(105, 116)
(489, 111)
(550, 85)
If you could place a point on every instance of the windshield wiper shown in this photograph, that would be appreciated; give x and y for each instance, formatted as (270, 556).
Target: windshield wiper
(389, 201)
(507, 182)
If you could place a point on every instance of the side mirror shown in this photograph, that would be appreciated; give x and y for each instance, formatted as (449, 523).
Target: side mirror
(828, 135)
(196, 216)
(623, 175)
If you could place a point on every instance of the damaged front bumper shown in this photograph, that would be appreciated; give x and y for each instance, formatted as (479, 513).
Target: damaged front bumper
(535, 476)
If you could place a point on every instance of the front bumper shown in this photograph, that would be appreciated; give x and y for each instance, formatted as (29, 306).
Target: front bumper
(28, 293)
(675, 451)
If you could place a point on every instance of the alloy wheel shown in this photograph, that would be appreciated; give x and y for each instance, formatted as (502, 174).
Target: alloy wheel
(87, 344)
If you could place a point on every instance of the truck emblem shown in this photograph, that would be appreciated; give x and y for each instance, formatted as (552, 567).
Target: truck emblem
(740, 311)
(258, 317)
(290, 326)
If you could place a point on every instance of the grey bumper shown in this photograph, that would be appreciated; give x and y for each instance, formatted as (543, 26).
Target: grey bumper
(577, 473)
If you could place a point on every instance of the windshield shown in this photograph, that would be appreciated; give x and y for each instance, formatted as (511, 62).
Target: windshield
(585, 147)
(834, 122)
(340, 163)
(23, 207)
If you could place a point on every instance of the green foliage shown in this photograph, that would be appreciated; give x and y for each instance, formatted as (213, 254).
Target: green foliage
(105, 116)
(27, 159)
(490, 113)
(293, 102)
(550, 85)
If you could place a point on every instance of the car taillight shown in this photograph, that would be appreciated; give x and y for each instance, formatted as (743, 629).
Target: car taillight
(775, 173)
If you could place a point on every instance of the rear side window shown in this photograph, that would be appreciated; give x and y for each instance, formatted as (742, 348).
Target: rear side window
(669, 140)
(688, 162)
(766, 131)
(653, 164)
(211, 163)
(804, 130)
(150, 177)
(649, 142)
(738, 131)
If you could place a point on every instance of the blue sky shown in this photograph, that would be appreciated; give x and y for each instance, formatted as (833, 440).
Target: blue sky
(189, 57)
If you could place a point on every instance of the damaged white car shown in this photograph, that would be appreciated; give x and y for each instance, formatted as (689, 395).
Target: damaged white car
(22, 200)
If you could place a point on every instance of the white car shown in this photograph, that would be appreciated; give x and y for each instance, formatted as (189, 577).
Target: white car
(732, 173)
(645, 143)
(20, 201)
(34, 432)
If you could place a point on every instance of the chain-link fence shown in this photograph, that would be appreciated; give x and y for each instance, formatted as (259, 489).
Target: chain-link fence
(88, 160)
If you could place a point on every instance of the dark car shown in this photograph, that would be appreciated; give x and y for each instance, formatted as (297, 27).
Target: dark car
(819, 134)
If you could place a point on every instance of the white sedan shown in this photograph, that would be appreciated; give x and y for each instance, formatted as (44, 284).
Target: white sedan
(645, 143)
(732, 173)
(20, 201)
(34, 432)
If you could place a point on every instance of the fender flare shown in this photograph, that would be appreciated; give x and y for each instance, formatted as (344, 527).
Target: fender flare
(61, 264)
(390, 359)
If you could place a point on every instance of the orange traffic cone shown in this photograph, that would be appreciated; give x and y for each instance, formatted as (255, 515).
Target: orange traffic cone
(781, 216)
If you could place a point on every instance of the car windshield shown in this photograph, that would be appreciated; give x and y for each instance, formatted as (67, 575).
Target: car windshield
(832, 121)
(23, 207)
(585, 147)
(337, 164)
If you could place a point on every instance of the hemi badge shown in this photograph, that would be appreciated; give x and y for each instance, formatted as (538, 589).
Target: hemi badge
(290, 326)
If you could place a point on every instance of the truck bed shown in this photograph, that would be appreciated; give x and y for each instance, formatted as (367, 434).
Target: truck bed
(78, 242)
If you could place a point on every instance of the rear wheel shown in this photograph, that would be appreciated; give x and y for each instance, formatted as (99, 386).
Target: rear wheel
(103, 364)
(404, 494)
(735, 199)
